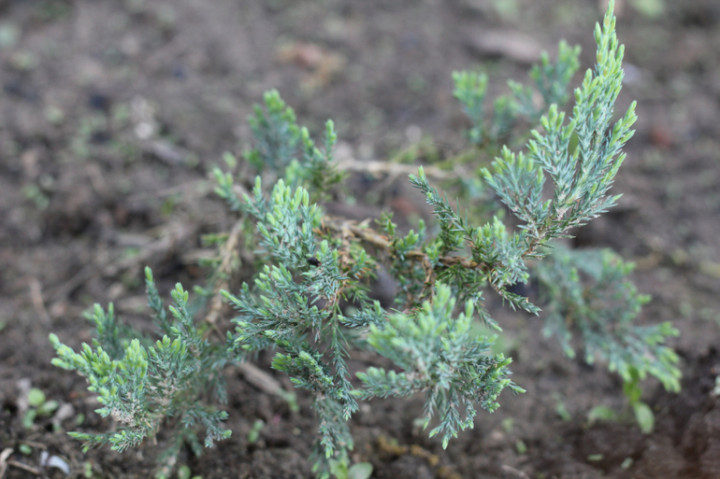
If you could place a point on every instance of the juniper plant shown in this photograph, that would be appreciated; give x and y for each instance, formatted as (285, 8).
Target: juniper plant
(309, 302)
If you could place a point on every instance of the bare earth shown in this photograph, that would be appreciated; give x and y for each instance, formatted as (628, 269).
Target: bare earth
(114, 111)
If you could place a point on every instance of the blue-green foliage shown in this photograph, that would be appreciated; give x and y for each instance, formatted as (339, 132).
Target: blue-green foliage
(470, 90)
(411, 275)
(140, 385)
(496, 256)
(282, 145)
(295, 307)
(438, 355)
(309, 301)
(276, 134)
(550, 81)
(316, 170)
(591, 303)
(581, 176)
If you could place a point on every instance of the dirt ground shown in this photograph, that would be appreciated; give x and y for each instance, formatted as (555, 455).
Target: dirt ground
(113, 112)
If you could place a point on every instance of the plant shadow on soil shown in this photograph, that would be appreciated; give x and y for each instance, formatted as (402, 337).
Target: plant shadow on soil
(113, 112)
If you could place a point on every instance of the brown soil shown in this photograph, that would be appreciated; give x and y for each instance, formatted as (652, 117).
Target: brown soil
(114, 111)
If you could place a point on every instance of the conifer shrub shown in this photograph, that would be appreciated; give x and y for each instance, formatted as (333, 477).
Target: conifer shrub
(309, 301)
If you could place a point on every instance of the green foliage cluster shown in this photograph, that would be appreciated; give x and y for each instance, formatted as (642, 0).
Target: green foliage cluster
(141, 384)
(550, 81)
(309, 301)
(583, 293)
(439, 355)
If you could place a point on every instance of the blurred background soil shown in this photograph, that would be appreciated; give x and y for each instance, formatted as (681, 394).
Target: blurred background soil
(114, 111)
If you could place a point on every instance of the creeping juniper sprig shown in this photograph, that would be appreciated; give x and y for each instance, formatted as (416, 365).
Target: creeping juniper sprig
(309, 301)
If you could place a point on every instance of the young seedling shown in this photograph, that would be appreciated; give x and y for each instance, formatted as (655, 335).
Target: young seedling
(39, 406)
(309, 302)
